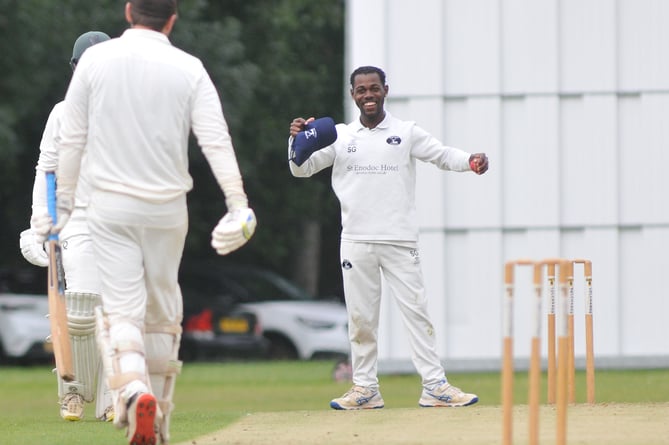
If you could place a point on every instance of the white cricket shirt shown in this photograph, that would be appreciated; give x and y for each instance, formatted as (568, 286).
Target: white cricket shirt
(48, 161)
(131, 103)
(374, 176)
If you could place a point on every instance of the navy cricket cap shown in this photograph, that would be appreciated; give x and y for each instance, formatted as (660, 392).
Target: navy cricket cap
(85, 41)
(316, 135)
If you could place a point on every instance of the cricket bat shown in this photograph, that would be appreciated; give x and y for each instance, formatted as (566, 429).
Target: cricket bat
(60, 336)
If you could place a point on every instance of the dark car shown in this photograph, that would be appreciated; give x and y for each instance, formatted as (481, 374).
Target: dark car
(297, 324)
(219, 329)
(210, 331)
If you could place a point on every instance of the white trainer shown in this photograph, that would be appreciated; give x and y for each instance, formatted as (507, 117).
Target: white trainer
(72, 407)
(446, 394)
(108, 415)
(142, 409)
(358, 397)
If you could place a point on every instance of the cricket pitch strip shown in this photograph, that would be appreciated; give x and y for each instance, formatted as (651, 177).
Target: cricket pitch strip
(600, 424)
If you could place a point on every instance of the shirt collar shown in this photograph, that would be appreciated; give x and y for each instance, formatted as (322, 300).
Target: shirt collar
(385, 123)
(141, 33)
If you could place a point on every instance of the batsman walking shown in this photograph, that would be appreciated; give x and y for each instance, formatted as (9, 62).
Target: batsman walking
(131, 105)
(82, 292)
(373, 164)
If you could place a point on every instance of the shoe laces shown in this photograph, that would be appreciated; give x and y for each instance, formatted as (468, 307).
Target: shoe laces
(453, 391)
(445, 391)
(359, 390)
(72, 398)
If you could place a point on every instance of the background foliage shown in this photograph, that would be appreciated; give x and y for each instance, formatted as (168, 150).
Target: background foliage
(270, 60)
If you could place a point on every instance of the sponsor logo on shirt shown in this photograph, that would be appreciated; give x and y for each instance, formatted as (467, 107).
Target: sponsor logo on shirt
(415, 255)
(372, 169)
(346, 264)
(394, 140)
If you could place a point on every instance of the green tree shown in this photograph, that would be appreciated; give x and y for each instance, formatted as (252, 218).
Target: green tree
(36, 40)
(298, 45)
(270, 60)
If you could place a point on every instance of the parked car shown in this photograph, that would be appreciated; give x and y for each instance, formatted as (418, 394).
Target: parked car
(24, 326)
(296, 324)
(218, 330)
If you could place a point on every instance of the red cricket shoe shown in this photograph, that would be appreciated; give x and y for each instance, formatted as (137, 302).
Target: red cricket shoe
(141, 419)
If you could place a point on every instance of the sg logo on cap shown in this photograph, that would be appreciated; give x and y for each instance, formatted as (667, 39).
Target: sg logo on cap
(311, 133)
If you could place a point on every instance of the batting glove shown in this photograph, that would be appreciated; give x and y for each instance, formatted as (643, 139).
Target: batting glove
(233, 230)
(33, 250)
(64, 207)
(41, 224)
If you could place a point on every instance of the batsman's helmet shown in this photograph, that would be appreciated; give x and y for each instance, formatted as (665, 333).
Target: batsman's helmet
(85, 41)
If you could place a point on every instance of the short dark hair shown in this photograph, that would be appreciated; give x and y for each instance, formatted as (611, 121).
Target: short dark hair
(152, 13)
(368, 70)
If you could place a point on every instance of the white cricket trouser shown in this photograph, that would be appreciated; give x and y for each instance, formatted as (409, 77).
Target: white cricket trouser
(82, 295)
(138, 245)
(363, 266)
(81, 273)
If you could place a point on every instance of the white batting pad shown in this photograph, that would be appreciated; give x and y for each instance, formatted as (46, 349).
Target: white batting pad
(85, 356)
(162, 358)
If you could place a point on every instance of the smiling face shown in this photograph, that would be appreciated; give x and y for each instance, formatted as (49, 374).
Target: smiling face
(369, 94)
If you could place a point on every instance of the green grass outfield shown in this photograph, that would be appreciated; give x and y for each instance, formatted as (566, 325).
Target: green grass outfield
(211, 396)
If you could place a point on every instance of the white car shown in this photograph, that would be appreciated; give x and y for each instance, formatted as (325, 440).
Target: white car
(297, 325)
(24, 326)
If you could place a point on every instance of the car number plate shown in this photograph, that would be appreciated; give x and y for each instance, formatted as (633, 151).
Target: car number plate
(234, 325)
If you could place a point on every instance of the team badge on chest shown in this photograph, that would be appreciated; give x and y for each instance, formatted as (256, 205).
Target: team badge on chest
(394, 140)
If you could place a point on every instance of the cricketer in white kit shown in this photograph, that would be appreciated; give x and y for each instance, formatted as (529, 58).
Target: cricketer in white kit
(373, 164)
(131, 105)
(82, 292)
